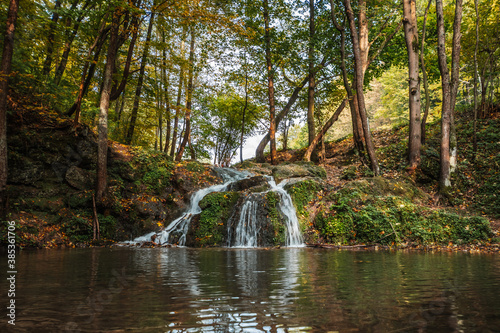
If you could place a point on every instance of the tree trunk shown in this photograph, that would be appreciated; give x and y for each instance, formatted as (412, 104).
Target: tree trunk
(5, 68)
(474, 143)
(411, 37)
(455, 81)
(140, 80)
(353, 105)
(179, 96)
(312, 84)
(67, 46)
(189, 98)
(242, 137)
(270, 83)
(424, 77)
(326, 127)
(86, 78)
(359, 69)
(166, 83)
(449, 88)
(117, 90)
(51, 39)
(102, 145)
(259, 153)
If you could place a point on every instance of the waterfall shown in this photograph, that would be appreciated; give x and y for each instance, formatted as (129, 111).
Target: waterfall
(293, 234)
(247, 228)
(247, 225)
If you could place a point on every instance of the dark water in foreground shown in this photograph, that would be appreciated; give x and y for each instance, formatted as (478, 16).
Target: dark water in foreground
(253, 290)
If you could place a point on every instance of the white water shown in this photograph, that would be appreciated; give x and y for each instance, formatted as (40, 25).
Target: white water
(247, 229)
(293, 234)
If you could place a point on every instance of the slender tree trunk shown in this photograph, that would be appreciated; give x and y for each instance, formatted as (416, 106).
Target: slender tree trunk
(189, 98)
(455, 81)
(259, 152)
(166, 83)
(424, 77)
(359, 88)
(51, 39)
(117, 90)
(449, 88)
(69, 42)
(312, 84)
(242, 137)
(270, 83)
(444, 179)
(326, 127)
(411, 37)
(86, 78)
(179, 96)
(474, 143)
(353, 105)
(140, 80)
(5, 68)
(102, 145)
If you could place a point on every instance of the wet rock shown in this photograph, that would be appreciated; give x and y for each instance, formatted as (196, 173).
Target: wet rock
(255, 184)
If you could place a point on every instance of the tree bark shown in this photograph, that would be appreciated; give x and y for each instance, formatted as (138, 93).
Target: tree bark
(312, 84)
(117, 90)
(424, 77)
(474, 141)
(411, 37)
(242, 137)
(51, 39)
(5, 68)
(189, 98)
(326, 127)
(140, 80)
(360, 70)
(270, 83)
(86, 78)
(102, 145)
(449, 88)
(353, 105)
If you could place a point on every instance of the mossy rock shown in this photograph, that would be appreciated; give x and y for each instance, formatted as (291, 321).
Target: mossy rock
(394, 219)
(370, 188)
(281, 172)
(210, 227)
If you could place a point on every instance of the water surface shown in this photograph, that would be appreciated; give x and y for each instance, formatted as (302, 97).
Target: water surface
(254, 290)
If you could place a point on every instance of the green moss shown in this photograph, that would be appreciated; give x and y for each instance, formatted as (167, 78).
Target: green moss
(302, 193)
(273, 213)
(392, 219)
(212, 223)
(349, 173)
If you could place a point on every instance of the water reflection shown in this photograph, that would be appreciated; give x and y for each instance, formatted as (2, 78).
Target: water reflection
(254, 290)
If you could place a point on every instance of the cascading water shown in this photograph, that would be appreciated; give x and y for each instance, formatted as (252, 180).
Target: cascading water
(293, 234)
(246, 230)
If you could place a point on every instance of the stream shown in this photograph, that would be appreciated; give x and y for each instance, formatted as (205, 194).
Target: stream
(125, 289)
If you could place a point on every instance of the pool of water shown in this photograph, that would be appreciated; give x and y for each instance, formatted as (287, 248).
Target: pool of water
(253, 290)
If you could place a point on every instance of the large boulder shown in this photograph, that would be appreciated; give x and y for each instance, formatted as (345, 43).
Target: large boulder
(79, 178)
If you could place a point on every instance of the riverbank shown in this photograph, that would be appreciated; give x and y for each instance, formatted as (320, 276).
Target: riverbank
(337, 200)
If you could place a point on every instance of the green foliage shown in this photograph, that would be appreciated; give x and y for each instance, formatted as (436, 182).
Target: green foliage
(349, 173)
(107, 226)
(78, 228)
(302, 193)
(391, 219)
